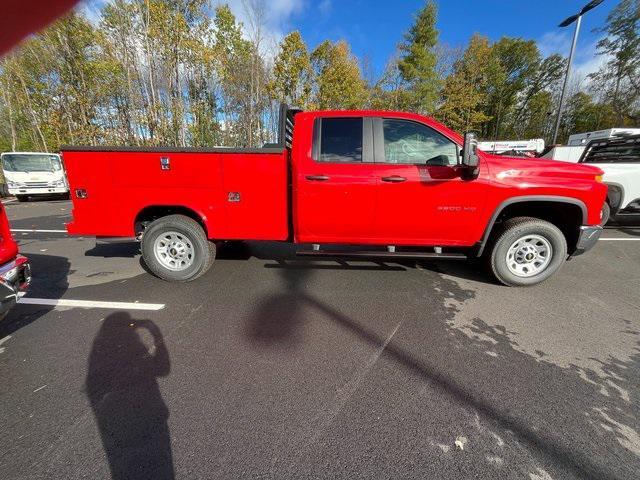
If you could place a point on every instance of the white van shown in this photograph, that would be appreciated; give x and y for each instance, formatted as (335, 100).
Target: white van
(34, 173)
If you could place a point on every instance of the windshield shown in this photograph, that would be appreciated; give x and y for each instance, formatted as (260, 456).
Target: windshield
(31, 163)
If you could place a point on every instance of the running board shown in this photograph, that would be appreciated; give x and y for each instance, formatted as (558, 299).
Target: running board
(374, 253)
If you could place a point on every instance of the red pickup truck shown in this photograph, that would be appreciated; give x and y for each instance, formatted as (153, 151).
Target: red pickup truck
(384, 183)
(15, 271)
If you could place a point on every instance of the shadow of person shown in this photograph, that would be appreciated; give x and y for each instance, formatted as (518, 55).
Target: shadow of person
(125, 397)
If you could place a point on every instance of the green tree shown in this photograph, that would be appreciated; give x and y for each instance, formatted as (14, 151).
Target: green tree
(337, 76)
(292, 74)
(418, 61)
(619, 78)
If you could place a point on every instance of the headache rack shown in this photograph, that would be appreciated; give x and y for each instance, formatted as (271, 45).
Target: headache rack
(612, 150)
(285, 127)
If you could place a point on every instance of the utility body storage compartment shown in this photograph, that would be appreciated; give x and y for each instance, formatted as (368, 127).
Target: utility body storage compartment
(237, 193)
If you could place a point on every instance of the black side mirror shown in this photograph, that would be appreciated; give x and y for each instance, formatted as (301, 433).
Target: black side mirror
(470, 157)
(470, 150)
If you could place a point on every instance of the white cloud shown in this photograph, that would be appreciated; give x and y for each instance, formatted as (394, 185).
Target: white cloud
(274, 21)
(325, 7)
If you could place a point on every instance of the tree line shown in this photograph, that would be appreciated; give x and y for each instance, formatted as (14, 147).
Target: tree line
(176, 72)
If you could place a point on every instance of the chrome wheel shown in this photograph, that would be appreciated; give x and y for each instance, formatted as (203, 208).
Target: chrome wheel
(174, 251)
(529, 255)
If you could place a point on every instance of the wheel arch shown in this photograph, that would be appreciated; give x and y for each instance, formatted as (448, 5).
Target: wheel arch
(152, 212)
(615, 196)
(561, 211)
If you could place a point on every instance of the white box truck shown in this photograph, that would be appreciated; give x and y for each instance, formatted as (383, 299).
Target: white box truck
(30, 174)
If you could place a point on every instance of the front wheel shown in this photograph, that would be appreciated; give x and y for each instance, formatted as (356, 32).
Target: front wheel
(175, 248)
(22, 198)
(527, 251)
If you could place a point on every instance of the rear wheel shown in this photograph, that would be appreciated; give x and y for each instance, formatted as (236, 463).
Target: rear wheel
(175, 248)
(526, 251)
(22, 198)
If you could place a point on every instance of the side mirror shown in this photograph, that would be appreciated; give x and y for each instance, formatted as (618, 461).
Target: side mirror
(470, 150)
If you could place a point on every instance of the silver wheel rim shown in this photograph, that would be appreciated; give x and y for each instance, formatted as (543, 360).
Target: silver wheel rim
(174, 251)
(529, 256)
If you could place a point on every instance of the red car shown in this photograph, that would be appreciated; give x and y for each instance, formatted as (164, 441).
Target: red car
(384, 183)
(15, 273)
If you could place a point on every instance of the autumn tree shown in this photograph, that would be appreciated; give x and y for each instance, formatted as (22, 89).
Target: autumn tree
(292, 74)
(465, 90)
(337, 77)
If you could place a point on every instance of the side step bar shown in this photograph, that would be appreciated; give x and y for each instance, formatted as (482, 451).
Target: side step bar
(379, 253)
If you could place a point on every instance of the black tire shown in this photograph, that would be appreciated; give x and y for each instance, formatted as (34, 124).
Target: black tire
(204, 251)
(22, 198)
(514, 229)
(606, 213)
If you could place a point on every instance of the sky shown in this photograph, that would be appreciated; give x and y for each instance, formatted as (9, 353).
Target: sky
(374, 28)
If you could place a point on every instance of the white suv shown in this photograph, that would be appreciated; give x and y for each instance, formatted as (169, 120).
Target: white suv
(619, 158)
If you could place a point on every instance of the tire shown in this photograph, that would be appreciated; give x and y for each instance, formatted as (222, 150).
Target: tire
(22, 198)
(184, 253)
(536, 237)
(606, 213)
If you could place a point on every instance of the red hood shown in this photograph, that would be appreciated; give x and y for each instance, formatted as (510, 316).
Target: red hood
(501, 166)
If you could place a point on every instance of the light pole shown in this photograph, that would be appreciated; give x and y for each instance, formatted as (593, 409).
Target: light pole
(565, 23)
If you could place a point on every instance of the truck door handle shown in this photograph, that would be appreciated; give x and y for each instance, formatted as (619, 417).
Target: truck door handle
(317, 178)
(393, 179)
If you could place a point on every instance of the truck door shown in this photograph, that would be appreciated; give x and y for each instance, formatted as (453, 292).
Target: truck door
(422, 198)
(335, 183)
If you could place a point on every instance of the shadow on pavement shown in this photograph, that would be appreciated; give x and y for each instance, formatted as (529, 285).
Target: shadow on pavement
(511, 390)
(284, 257)
(113, 250)
(125, 397)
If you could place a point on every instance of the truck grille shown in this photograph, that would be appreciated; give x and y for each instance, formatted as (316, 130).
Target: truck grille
(36, 184)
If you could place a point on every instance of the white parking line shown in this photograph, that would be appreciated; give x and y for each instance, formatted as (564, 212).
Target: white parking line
(90, 304)
(31, 230)
(621, 239)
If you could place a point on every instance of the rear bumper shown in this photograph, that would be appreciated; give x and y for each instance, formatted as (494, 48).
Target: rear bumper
(589, 236)
(15, 277)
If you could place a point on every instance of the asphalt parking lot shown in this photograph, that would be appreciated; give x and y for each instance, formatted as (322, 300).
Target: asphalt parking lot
(272, 367)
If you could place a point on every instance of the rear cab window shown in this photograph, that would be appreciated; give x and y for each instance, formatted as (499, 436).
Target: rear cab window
(618, 151)
(339, 140)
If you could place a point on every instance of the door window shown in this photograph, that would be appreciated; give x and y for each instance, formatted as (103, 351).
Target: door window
(341, 140)
(407, 142)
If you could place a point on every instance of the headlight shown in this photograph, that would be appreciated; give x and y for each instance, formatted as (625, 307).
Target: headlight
(11, 184)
